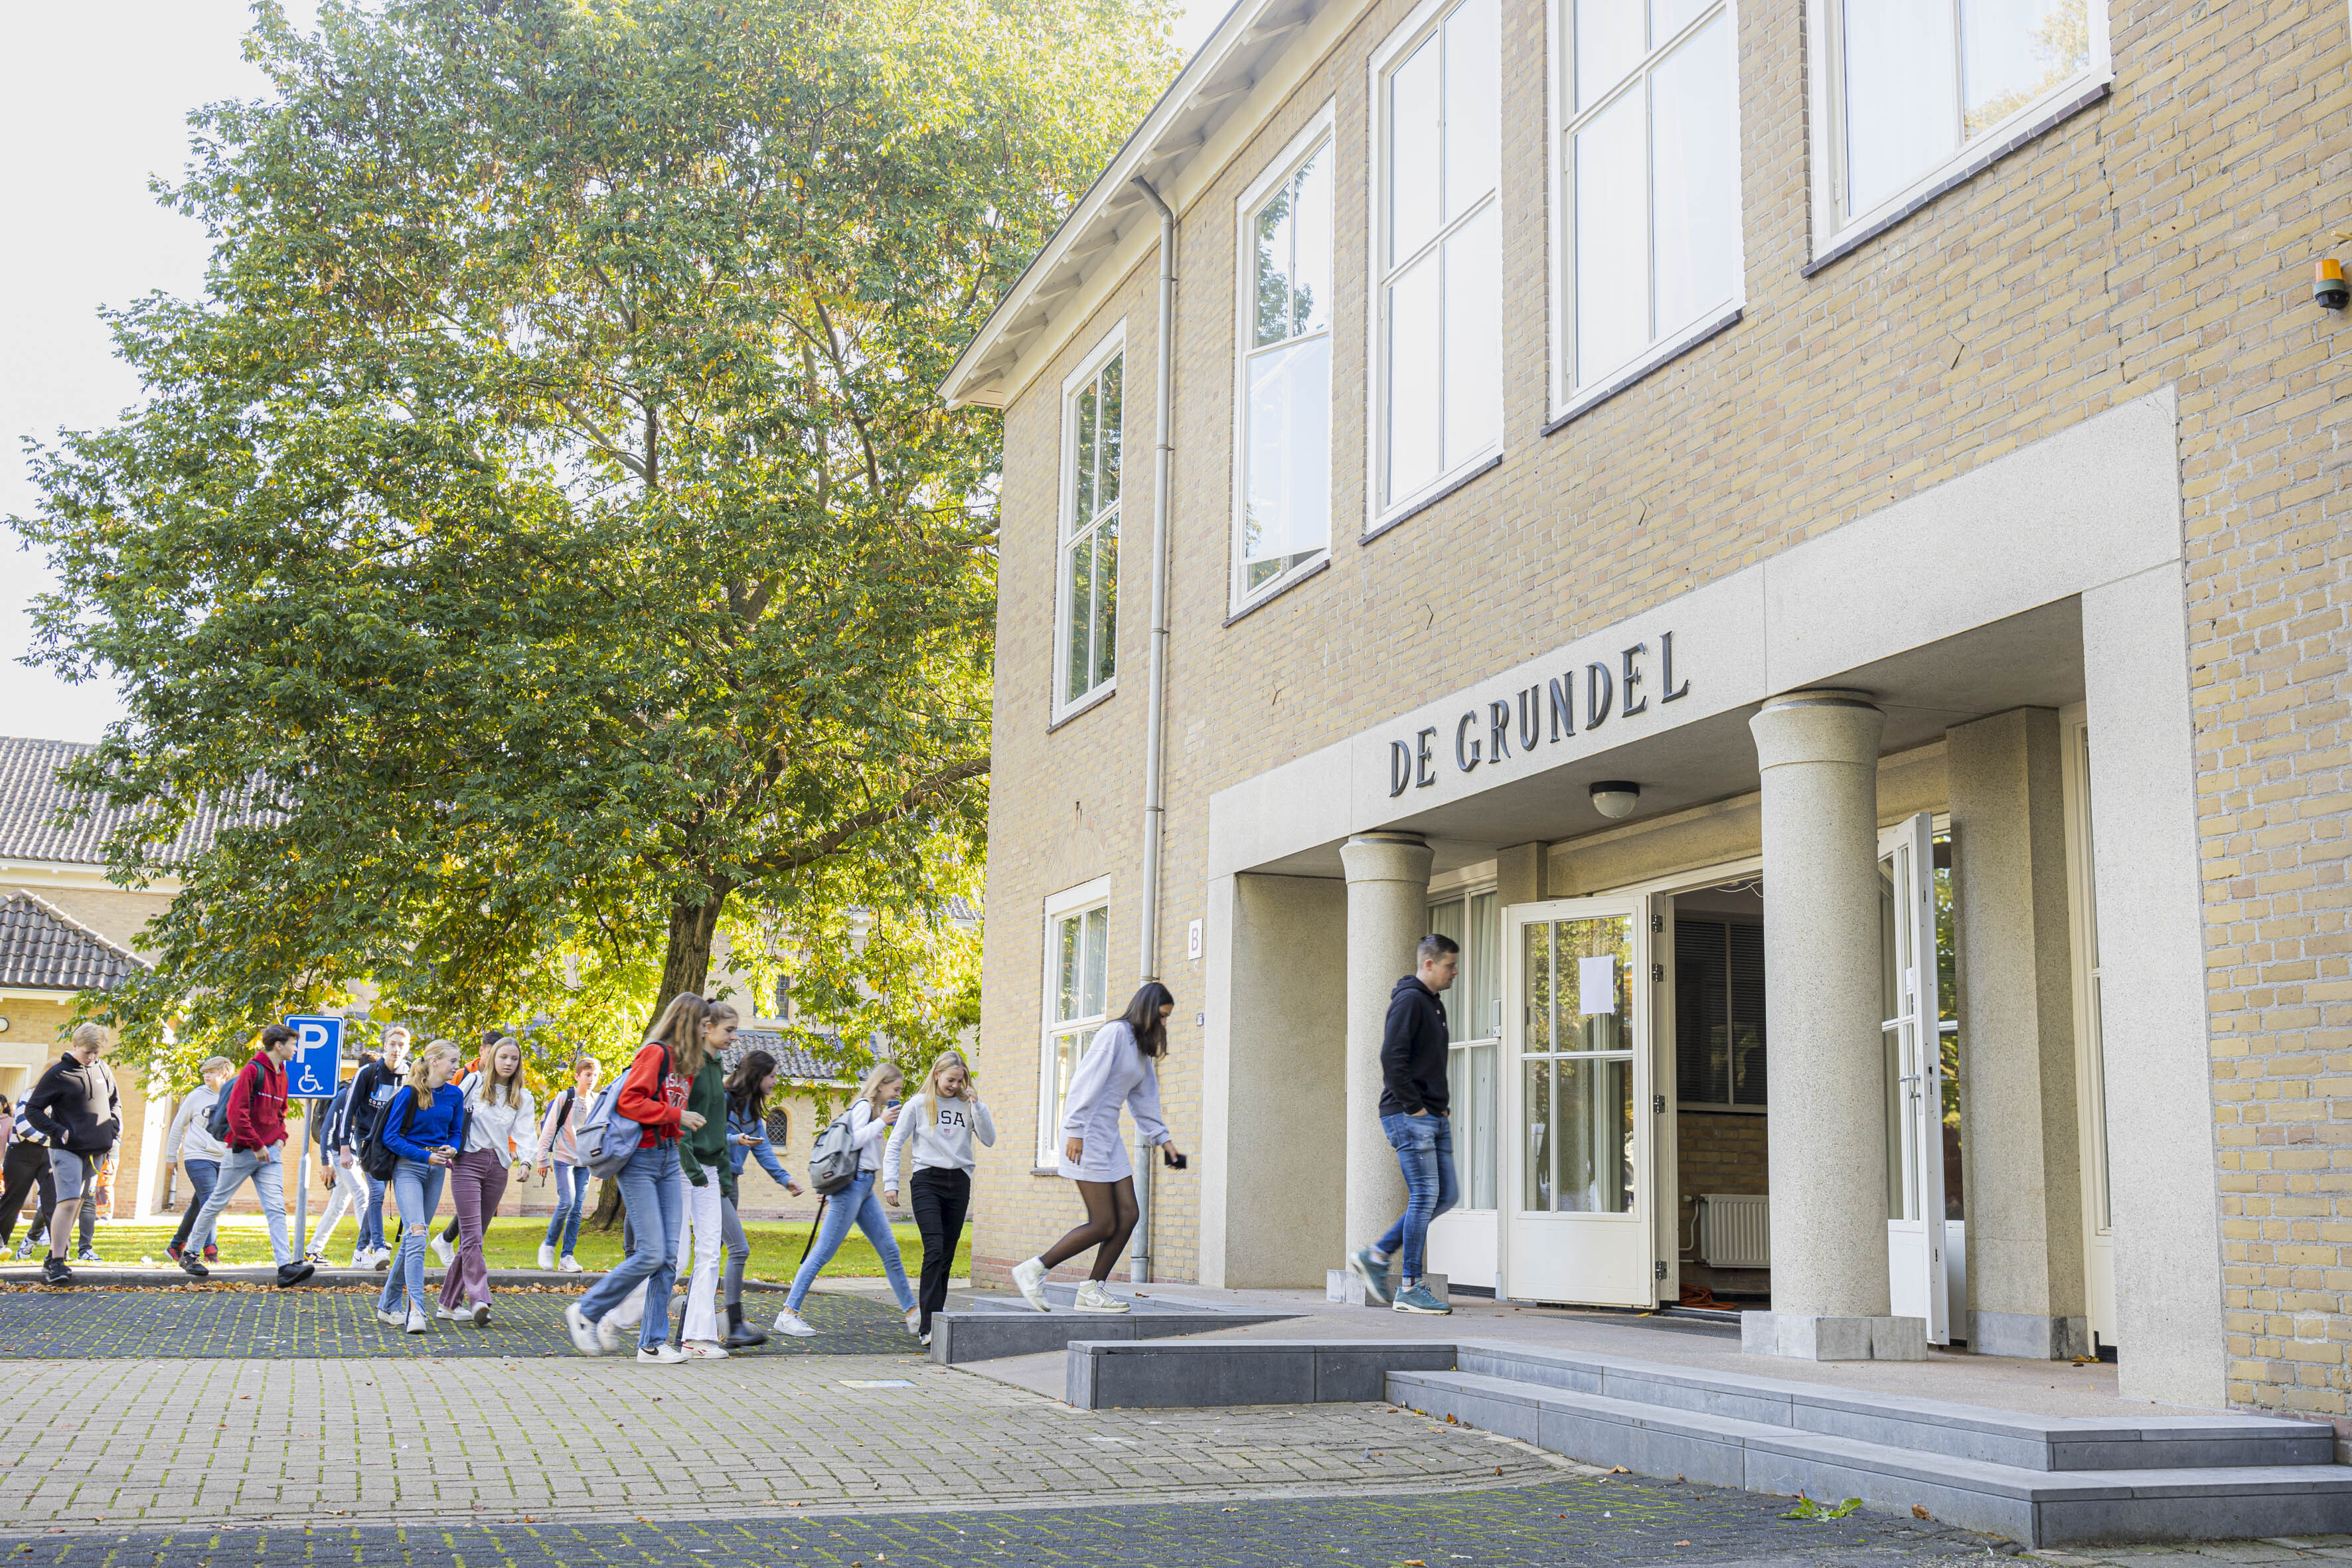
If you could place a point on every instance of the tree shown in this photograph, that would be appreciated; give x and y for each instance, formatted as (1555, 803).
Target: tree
(547, 532)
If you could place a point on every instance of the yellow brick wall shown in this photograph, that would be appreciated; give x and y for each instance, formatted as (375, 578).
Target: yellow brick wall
(2162, 236)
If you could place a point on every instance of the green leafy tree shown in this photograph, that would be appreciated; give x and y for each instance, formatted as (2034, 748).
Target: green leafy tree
(545, 534)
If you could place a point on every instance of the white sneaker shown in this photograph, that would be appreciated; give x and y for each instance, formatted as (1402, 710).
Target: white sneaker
(416, 1322)
(663, 1354)
(611, 1336)
(546, 1256)
(790, 1323)
(444, 1251)
(584, 1338)
(390, 1320)
(568, 1264)
(914, 1319)
(480, 1314)
(705, 1349)
(926, 1339)
(1029, 1278)
(446, 1315)
(1093, 1298)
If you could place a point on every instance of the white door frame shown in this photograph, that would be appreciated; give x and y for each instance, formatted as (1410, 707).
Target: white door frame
(1917, 1274)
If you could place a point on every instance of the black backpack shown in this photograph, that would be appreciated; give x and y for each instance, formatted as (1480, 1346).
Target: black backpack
(216, 1118)
(376, 1157)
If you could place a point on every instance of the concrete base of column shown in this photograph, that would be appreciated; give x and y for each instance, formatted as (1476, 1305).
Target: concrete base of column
(2029, 1336)
(1341, 1285)
(1807, 1336)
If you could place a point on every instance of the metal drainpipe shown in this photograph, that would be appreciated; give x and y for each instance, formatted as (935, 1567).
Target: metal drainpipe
(1154, 805)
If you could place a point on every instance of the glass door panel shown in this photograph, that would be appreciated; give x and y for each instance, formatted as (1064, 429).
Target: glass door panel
(1913, 1074)
(1463, 1243)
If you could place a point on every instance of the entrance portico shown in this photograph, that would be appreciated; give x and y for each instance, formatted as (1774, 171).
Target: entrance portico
(1900, 691)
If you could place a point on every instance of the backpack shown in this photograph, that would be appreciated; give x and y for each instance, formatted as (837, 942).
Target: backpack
(376, 1156)
(216, 1118)
(832, 1163)
(607, 1139)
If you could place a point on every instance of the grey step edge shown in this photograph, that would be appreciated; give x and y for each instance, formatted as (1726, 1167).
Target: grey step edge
(961, 1337)
(2037, 1507)
(1104, 1374)
(1926, 1426)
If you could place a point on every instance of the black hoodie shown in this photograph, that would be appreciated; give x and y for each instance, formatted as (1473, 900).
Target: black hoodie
(77, 1107)
(1413, 1051)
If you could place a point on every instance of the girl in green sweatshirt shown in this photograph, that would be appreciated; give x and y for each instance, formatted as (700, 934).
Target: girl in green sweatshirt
(709, 1178)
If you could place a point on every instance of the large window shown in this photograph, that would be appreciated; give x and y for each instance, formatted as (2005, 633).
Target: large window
(1088, 600)
(1914, 93)
(1649, 182)
(1284, 476)
(1719, 1059)
(1474, 1016)
(1077, 963)
(1437, 403)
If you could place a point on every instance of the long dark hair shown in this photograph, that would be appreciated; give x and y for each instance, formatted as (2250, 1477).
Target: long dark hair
(747, 1090)
(1143, 1020)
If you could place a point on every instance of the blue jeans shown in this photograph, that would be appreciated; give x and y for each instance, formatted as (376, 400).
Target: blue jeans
(854, 1204)
(570, 1194)
(266, 1169)
(416, 1190)
(1425, 1149)
(202, 1175)
(370, 1222)
(649, 1186)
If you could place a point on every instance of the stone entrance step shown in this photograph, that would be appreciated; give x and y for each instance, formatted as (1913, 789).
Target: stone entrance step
(990, 1328)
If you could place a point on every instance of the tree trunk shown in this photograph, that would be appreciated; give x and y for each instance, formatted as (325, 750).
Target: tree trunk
(685, 965)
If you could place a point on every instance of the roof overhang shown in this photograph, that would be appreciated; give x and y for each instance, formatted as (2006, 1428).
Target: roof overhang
(1256, 60)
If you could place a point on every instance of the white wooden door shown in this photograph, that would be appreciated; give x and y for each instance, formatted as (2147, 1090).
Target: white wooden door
(1915, 1238)
(1579, 1188)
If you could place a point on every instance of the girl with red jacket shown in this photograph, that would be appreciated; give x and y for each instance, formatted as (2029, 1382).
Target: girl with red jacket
(653, 1094)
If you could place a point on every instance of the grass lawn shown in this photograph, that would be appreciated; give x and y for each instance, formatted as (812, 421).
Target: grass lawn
(514, 1244)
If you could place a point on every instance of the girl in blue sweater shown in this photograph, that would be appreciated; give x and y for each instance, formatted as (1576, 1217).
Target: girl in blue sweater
(425, 1126)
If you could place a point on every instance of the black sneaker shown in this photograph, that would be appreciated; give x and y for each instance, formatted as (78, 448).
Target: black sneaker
(54, 1270)
(293, 1274)
(191, 1267)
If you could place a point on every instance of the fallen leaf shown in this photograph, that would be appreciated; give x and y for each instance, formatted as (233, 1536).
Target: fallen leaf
(1619, 1470)
(1918, 1512)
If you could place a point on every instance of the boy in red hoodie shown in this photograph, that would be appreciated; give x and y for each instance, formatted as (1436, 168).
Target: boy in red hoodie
(255, 1101)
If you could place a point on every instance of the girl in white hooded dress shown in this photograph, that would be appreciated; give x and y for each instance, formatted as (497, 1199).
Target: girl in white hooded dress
(1120, 1069)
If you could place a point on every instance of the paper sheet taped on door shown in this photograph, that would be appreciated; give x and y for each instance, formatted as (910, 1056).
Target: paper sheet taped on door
(1596, 984)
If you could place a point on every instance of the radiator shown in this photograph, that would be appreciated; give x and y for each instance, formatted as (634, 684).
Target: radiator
(1735, 1230)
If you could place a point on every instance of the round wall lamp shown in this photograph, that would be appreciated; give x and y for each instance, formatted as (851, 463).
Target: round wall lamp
(1614, 798)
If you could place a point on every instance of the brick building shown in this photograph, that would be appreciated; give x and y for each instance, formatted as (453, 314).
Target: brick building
(1890, 449)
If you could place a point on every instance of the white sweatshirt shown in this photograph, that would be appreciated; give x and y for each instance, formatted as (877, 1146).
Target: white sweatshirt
(942, 1140)
(189, 1138)
(493, 1127)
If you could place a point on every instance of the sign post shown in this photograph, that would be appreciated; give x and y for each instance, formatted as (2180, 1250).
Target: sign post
(318, 1062)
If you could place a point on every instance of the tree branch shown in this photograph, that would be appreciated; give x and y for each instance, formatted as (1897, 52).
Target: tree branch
(850, 827)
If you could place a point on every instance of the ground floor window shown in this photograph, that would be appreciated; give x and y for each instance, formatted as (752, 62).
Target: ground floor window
(1078, 951)
(1475, 1019)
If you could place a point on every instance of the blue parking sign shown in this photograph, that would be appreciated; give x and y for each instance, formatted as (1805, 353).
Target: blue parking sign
(320, 1059)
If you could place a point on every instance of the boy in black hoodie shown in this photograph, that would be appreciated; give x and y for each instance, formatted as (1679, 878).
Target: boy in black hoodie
(1414, 1100)
(78, 1109)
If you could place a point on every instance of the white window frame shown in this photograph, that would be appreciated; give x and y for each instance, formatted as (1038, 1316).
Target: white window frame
(1825, 21)
(1319, 130)
(1113, 344)
(1077, 900)
(1567, 398)
(1426, 18)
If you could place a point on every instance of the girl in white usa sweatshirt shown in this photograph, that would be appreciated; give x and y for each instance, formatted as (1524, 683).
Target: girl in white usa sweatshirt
(939, 1123)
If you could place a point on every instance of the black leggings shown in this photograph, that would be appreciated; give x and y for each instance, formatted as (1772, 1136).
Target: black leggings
(1110, 1220)
(26, 1167)
(939, 1198)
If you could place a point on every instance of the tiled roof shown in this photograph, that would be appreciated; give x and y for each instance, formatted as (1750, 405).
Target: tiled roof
(30, 796)
(793, 1059)
(44, 948)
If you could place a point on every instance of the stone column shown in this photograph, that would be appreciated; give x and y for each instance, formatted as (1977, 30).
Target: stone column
(1388, 912)
(1819, 755)
(2024, 1171)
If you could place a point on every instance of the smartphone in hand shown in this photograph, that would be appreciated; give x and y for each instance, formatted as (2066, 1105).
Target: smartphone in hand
(1172, 1160)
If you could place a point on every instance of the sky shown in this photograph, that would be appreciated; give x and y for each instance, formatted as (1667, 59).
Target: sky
(88, 233)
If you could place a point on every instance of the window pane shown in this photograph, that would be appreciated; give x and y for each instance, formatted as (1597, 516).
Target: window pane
(2013, 51)
(1745, 1020)
(1290, 477)
(1413, 151)
(1273, 322)
(1473, 92)
(1596, 984)
(1108, 487)
(1474, 332)
(1668, 17)
(1413, 373)
(1066, 967)
(1902, 112)
(1612, 285)
(1702, 1058)
(1084, 512)
(1537, 965)
(1592, 1104)
(1097, 963)
(1536, 1114)
(1470, 1086)
(1310, 273)
(1608, 44)
(1079, 649)
(1695, 166)
(1105, 605)
(1482, 1006)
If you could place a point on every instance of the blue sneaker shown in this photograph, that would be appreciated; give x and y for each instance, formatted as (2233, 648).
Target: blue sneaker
(1415, 1298)
(1373, 1269)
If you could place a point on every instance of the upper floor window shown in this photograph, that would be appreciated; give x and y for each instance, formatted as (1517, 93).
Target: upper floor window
(1437, 397)
(1915, 92)
(1283, 478)
(1649, 183)
(1087, 599)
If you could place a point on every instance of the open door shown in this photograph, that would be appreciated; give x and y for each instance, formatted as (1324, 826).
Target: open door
(1916, 1241)
(1578, 1196)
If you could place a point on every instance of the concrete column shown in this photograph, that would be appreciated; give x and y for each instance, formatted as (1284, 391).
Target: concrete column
(2017, 1039)
(1388, 912)
(1818, 754)
(1519, 874)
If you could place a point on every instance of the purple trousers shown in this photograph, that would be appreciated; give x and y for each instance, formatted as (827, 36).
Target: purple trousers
(477, 1182)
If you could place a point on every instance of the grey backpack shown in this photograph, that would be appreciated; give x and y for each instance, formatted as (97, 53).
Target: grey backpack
(832, 1163)
(606, 1139)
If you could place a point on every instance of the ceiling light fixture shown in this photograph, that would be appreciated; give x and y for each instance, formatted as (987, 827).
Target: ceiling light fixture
(1614, 798)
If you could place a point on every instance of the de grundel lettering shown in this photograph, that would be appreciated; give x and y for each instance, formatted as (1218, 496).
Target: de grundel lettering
(1484, 735)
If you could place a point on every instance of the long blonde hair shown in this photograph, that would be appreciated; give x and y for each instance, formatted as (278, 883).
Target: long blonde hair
(423, 1059)
(870, 1091)
(680, 1028)
(951, 1058)
(497, 1090)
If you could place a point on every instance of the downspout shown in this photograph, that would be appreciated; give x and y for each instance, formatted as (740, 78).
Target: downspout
(1155, 808)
